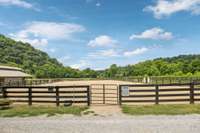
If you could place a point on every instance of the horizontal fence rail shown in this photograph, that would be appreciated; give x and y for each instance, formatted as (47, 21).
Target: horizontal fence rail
(135, 79)
(47, 94)
(159, 93)
(173, 79)
(30, 82)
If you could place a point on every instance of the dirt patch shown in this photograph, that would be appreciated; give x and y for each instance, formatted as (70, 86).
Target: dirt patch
(106, 110)
(89, 82)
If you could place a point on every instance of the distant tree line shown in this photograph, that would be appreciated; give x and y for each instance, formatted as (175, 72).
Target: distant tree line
(38, 63)
(183, 65)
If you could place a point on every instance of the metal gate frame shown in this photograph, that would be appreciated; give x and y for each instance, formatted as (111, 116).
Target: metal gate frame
(104, 95)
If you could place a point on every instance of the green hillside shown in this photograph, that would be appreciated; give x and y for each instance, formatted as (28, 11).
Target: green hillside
(183, 65)
(32, 60)
(38, 63)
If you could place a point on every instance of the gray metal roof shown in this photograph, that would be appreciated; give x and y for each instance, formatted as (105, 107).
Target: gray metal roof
(10, 68)
(9, 72)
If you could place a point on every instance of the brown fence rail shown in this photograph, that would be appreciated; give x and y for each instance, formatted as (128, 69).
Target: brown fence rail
(173, 79)
(136, 79)
(30, 82)
(159, 93)
(47, 94)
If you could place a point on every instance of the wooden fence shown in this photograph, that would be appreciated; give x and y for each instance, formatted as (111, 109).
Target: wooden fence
(173, 79)
(47, 94)
(136, 79)
(158, 94)
(30, 82)
(128, 94)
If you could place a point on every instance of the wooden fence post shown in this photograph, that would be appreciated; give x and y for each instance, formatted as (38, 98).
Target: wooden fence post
(29, 96)
(120, 95)
(57, 97)
(4, 93)
(191, 93)
(88, 95)
(117, 94)
(157, 94)
(104, 94)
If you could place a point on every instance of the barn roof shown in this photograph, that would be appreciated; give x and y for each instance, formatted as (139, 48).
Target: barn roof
(13, 72)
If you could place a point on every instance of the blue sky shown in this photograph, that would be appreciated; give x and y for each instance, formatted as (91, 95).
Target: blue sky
(98, 33)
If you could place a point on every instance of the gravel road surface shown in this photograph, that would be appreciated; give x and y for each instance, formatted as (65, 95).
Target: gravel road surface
(99, 124)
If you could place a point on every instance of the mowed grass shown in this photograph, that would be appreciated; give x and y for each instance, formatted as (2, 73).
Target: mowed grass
(26, 111)
(181, 109)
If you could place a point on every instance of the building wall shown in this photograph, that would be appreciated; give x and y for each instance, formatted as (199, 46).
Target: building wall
(13, 80)
(1, 81)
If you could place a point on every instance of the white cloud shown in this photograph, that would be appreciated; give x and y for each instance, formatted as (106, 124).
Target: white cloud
(53, 30)
(38, 33)
(82, 64)
(88, 1)
(98, 4)
(154, 33)
(37, 42)
(19, 3)
(52, 50)
(137, 51)
(165, 8)
(102, 41)
(64, 59)
(104, 53)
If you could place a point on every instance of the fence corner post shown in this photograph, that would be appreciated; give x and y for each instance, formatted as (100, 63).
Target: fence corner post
(157, 94)
(192, 93)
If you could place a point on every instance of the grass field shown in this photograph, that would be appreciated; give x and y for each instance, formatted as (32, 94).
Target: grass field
(27, 111)
(181, 109)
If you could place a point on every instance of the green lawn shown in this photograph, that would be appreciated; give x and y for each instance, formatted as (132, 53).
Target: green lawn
(181, 109)
(25, 111)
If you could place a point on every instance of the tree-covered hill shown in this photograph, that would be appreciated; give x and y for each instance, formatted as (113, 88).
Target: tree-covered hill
(183, 65)
(39, 64)
(32, 60)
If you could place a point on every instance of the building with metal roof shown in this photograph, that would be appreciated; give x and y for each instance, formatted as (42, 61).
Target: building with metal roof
(12, 74)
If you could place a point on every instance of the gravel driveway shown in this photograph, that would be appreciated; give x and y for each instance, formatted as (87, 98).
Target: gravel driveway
(98, 124)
